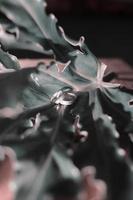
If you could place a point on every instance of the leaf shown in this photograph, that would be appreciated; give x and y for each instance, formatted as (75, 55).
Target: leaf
(39, 28)
(35, 88)
(83, 72)
(76, 95)
(110, 160)
(28, 87)
(104, 97)
(12, 87)
(8, 60)
(31, 125)
(12, 39)
(57, 170)
(117, 163)
(49, 159)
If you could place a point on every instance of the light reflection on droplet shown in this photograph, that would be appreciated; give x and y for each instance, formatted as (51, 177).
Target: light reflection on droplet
(63, 97)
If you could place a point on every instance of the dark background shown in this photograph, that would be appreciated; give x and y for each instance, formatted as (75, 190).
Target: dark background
(106, 24)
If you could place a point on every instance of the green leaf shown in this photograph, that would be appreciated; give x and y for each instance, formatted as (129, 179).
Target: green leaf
(114, 159)
(39, 28)
(82, 73)
(102, 150)
(36, 23)
(12, 39)
(8, 61)
(104, 97)
(76, 96)
(47, 160)
(56, 170)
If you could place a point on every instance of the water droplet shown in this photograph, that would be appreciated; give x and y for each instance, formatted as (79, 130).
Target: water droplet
(64, 97)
